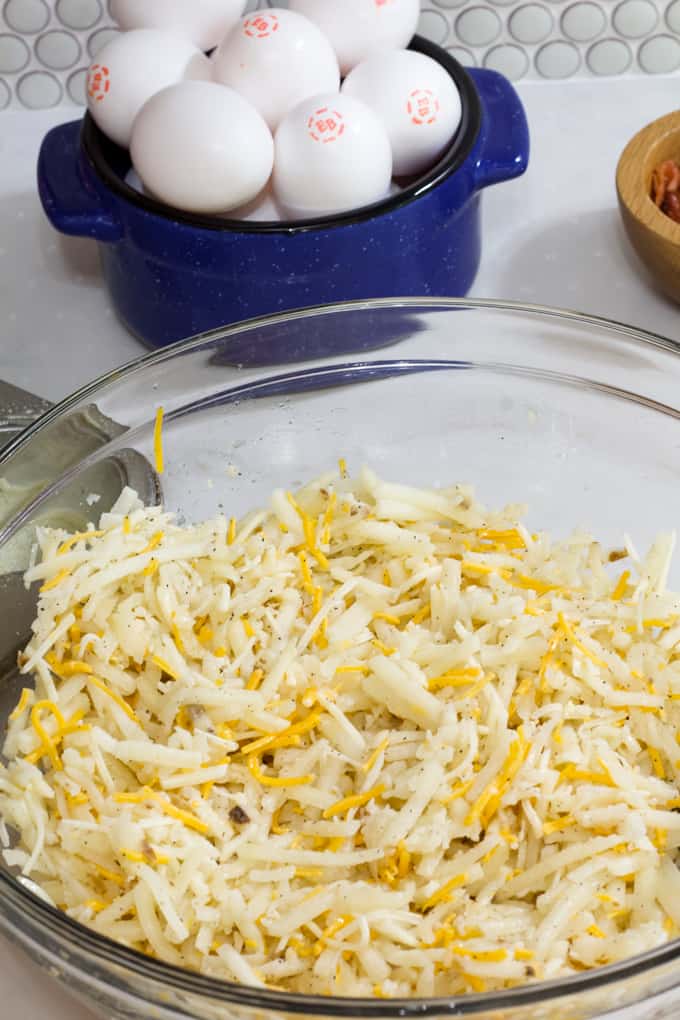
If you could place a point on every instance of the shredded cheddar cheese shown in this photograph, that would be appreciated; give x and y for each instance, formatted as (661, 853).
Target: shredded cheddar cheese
(370, 740)
(158, 441)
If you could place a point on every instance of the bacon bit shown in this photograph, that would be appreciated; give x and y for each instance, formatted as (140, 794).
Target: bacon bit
(238, 816)
(617, 554)
(664, 189)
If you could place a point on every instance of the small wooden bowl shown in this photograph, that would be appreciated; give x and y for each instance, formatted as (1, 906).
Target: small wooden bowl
(655, 237)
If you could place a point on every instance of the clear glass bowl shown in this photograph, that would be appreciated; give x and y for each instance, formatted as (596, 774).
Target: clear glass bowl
(576, 416)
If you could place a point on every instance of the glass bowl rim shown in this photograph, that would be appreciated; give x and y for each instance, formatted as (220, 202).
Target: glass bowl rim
(109, 953)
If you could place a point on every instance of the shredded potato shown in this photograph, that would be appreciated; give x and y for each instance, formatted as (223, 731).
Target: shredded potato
(374, 740)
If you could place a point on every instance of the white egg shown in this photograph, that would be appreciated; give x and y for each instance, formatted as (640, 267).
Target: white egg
(417, 101)
(204, 22)
(132, 68)
(263, 208)
(332, 154)
(276, 58)
(359, 28)
(201, 147)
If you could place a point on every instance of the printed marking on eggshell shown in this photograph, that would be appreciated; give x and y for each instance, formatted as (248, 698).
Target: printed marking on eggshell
(423, 107)
(98, 82)
(326, 125)
(383, 3)
(261, 26)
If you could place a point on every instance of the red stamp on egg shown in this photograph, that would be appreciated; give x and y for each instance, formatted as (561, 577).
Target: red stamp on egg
(326, 125)
(382, 3)
(422, 107)
(98, 82)
(261, 26)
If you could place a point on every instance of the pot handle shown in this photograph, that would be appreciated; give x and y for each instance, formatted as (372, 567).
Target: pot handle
(504, 150)
(71, 206)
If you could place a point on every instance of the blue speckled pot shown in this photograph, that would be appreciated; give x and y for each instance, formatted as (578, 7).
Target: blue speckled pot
(172, 275)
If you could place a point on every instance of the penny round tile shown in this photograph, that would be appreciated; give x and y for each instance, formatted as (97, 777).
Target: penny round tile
(531, 23)
(583, 21)
(557, 60)
(39, 90)
(26, 15)
(512, 61)
(609, 57)
(78, 14)
(57, 50)
(14, 54)
(478, 26)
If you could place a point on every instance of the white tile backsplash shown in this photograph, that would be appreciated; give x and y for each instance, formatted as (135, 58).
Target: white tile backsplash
(46, 45)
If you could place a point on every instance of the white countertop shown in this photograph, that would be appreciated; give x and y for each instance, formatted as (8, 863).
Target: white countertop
(553, 237)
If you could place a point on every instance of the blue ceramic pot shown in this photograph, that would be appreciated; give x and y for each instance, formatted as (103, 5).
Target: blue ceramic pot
(173, 274)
